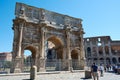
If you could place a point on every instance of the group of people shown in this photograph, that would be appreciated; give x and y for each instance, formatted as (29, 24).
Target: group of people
(115, 67)
(108, 67)
(95, 70)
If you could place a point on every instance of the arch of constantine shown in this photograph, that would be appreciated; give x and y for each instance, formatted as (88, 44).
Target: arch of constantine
(35, 28)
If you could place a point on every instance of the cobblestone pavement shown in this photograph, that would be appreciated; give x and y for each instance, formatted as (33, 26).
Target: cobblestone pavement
(60, 76)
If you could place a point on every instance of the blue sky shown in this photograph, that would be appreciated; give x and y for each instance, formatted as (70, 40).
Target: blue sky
(100, 17)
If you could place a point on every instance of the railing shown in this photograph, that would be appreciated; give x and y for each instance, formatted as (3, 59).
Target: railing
(53, 65)
(5, 66)
(50, 65)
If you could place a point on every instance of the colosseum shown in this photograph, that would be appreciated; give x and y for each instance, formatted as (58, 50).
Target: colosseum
(102, 50)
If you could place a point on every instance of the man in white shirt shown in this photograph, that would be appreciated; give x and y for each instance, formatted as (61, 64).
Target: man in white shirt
(101, 68)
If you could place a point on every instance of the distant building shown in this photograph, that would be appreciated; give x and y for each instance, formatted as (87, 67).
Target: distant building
(5, 56)
(102, 49)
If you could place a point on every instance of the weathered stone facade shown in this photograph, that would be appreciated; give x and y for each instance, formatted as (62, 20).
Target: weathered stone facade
(102, 49)
(33, 27)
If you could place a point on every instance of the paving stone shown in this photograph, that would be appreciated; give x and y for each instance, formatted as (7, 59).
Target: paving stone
(61, 76)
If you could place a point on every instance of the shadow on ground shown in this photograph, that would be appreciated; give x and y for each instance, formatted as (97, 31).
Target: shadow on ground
(110, 71)
(85, 78)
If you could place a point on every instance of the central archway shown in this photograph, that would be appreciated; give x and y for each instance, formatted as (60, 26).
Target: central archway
(54, 53)
(56, 44)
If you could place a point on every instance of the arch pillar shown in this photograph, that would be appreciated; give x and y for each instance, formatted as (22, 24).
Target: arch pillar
(17, 59)
(82, 53)
(69, 60)
(42, 50)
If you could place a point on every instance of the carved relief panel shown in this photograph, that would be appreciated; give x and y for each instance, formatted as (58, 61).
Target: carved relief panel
(31, 34)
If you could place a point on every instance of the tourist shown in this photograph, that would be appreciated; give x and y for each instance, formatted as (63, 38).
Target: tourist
(113, 68)
(105, 68)
(101, 69)
(94, 71)
(116, 67)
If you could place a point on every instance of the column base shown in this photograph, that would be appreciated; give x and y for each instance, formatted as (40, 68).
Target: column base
(17, 66)
(88, 74)
(81, 67)
(17, 70)
(42, 70)
(42, 66)
(70, 68)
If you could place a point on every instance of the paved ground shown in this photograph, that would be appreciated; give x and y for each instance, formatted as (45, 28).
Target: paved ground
(59, 76)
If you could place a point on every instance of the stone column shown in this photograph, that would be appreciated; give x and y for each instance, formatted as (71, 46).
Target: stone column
(20, 41)
(91, 49)
(42, 50)
(79, 56)
(82, 53)
(104, 53)
(17, 61)
(42, 43)
(109, 48)
(68, 49)
(110, 52)
(97, 49)
(103, 48)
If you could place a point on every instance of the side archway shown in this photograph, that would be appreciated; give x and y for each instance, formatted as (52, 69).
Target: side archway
(102, 60)
(108, 60)
(74, 56)
(114, 60)
(30, 59)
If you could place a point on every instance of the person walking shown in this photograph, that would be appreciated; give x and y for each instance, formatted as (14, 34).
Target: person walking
(94, 71)
(101, 69)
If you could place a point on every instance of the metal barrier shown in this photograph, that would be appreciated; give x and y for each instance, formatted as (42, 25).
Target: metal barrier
(50, 65)
(5, 66)
(53, 65)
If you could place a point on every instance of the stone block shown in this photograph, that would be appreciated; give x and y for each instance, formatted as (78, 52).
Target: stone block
(33, 73)
(88, 74)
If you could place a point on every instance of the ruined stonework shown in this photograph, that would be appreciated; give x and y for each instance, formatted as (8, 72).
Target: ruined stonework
(34, 27)
(102, 50)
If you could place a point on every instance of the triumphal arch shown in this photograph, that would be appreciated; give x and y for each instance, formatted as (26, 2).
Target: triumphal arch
(35, 27)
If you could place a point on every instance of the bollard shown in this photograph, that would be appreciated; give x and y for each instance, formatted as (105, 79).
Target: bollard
(88, 74)
(33, 73)
(71, 69)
